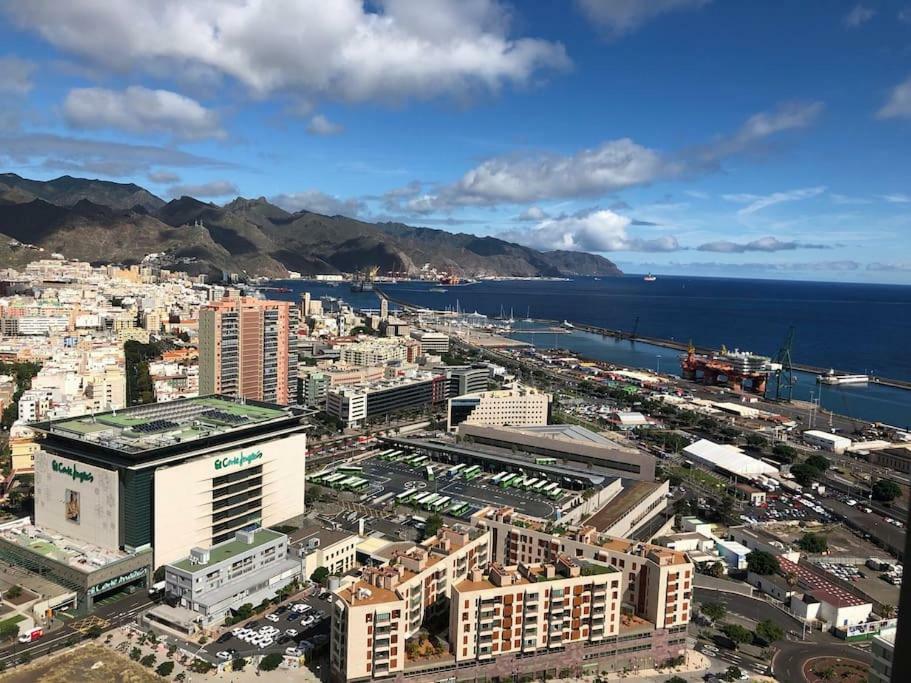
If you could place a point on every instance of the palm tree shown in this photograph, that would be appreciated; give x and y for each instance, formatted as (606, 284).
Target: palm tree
(887, 611)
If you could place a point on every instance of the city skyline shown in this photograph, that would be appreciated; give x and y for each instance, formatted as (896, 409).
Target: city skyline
(685, 136)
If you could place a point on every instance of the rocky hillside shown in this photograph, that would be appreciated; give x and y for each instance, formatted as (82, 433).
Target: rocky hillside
(101, 221)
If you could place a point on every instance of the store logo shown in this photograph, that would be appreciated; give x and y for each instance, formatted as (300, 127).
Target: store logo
(72, 471)
(241, 460)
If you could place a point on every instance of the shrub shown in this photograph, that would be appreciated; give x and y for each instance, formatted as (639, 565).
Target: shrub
(165, 669)
(270, 662)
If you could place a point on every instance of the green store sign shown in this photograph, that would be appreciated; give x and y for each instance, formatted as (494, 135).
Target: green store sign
(237, 460)
(72, 471)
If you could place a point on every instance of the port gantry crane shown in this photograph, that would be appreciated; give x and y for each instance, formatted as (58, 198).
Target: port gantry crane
(784, 372)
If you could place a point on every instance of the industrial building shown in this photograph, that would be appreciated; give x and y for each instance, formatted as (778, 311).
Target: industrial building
(826, 441)
(247, 349)
(518, 407)
(170, 476)
(728, 459)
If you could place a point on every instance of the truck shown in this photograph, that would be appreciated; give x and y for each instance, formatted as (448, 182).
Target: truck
(31, 635)
(156, 589)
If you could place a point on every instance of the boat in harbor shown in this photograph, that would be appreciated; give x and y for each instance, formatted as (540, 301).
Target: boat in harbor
(568, 325)
(833, 378)
(649, 278)
(438, 290)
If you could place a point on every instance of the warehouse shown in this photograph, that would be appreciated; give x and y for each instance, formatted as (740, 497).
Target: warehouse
(170, 476)
(729, 459)
(827, 442)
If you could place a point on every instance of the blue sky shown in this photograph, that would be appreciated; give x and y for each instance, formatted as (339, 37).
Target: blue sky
(679, 136)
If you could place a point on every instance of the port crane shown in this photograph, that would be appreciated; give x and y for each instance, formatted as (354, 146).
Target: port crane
(784, 372)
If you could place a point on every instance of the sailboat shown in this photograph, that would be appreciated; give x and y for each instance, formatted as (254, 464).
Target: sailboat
(528, 315)
(649, 278)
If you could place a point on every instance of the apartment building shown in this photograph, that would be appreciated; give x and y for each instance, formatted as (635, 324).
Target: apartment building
(317, 546)
(519, 407)
(316, 382)
(372, 618)
(431, 342)
(658, 581)
(530, 608)
(247, 349)
(372, 352)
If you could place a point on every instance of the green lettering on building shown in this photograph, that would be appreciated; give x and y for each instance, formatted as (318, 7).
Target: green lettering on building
(72, 471)
(242, 459)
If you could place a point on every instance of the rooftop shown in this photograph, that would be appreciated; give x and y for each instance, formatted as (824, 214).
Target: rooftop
(633, 493)
(72, 552)
(228, 549)
(145, 428)
(819, 587)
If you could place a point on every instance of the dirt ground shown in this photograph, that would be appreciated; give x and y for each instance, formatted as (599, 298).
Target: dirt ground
(89, 664)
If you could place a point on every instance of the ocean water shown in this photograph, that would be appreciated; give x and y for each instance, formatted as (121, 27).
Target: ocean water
(850, 327)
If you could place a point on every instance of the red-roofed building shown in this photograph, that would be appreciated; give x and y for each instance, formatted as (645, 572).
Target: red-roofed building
(823, 599)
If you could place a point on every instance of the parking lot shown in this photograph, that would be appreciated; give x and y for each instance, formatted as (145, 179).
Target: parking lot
(386, 476)
(287, 625)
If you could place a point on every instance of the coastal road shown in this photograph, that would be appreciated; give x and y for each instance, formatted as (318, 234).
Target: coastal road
(789, 660)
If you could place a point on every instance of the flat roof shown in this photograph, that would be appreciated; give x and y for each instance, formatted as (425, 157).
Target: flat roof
(633, 493)
(79, 555)
(228, 549)
(820, 587)
(143, 429)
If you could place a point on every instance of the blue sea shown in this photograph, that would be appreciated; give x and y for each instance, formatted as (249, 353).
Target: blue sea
(862, 328)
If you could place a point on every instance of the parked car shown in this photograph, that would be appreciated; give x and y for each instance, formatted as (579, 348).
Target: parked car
(272, 617)
(224, 638)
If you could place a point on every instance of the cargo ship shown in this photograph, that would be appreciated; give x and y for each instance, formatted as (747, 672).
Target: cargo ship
(831, 377)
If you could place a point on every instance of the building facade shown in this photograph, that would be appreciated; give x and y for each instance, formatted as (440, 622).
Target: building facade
(356, 403)
(248, 348)
(519, 407)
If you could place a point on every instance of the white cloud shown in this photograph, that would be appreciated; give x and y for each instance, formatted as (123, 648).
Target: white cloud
(163, 177)
(320, 125)
(618, 17)
(846, 200)
(787, 116)
(859, 15)
(318, 202)
(613, 165)
(899, 103)
(346, 49)
(215, 188)
(756, 202)
(897, 198)
(140, 110)
(16, 75)
(763, 244)
(600, 230)
(532, 213)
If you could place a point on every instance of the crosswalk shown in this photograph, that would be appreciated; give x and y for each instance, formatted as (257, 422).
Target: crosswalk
(83, 626)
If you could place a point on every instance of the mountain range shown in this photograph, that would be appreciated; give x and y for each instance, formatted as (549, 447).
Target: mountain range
(107, 222)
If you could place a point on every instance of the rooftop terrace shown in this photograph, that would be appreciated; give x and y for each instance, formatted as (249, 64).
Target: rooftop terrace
(74, 553)
(228, 549)
(146, 428)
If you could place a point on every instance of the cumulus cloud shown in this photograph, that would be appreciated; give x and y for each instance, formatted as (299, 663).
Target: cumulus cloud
(532, 213)
(757, 202)
(618, 17)
(319, 202)
(214, 188)
(16, 75)
(347, 49)
(763, 244)
(599, 230)
(759, 127)
(899, 103)
(140, 110)
(859, 15)
(320, 125)
(80, 155)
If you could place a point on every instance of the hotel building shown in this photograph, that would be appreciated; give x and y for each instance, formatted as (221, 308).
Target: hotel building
(248, 348)
(519, 407)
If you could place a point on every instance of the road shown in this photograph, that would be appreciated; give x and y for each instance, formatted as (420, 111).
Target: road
(788, 662)
(106, 616)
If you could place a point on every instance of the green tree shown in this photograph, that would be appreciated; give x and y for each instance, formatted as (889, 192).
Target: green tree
(13, 591)
(818, 462)
(733, 673)
(805, 474)
(319, 575)
(755, 440)
(886, 490)
(165, 669)
(737, 633)
(270, 662)
(784, 453)
(675, 679)
(8, 630)
(769, 631)
(200, 666)
(763, 563)
(135, 654)
(148, 660)
(716, 570)
(813, 543)
(713, 610)
(238, 664)
(434, 522)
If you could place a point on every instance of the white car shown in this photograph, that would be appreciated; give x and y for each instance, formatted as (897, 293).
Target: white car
(267, 642)
(293, 652)
(272, 617)
(223, 655)
(292, 632)
(301, 608)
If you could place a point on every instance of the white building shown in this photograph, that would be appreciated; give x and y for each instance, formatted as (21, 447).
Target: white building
(727, 458)
(321, 547)
(518, 407)
(882, 649)
(826, 441)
